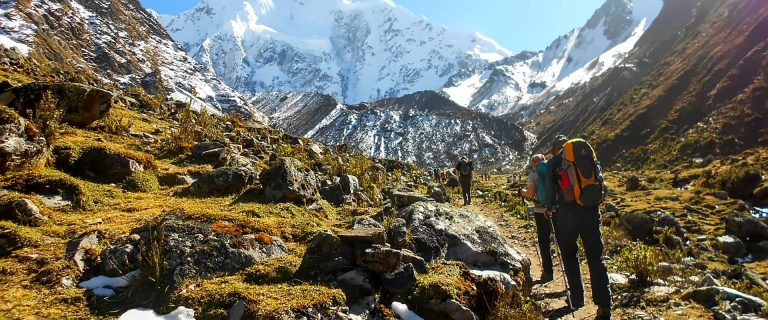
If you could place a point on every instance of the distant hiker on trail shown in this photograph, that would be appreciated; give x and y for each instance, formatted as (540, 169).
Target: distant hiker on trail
(574, 191)
(464, 169)
(536, 190)
(436, 175)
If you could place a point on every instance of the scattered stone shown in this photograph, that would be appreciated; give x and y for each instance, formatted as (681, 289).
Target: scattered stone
(365, 223)
(709, 281)
(221, 182)
(403, 198)
(610, 207)
(174, 179)
(438, 194)
(731, 246)
(349, 184)
(355, 284)
(618, 279)
(632, 183)
(315, 152)
(398, 233)
(746, 227)
(77, 249)
(662, 290)
(24, 212)
(379, 259)
(664, 269)
(709, 297)
(400, 279)
(207, 152)
(754, 278)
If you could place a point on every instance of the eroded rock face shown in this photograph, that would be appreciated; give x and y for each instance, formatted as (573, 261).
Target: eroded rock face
(441, 231)
(20, 144)
(191, 249)
(81, 104)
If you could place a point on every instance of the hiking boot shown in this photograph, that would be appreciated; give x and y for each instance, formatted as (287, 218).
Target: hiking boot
(575, 305)
(603, 314)
(545, 277)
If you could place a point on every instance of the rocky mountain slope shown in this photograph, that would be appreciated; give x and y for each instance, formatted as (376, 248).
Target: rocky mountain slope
(424, 128)
(527, 81)
(352, 50)
(695, 86)
(117, 42)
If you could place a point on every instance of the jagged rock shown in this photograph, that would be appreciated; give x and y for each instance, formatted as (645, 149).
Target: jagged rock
(400, 279)
(221, 182)
(77, 249)
(418, 262)
(639, 226)
(403, 198)
(231, 157)
(397, 234)
(632, 183)
(618, 279)
(443, 231)
(746, 227)
(24, 212)
(365, 223)
(325, 257)
(192, 249)
(315, 152)
(288, 180)
(119, 260)
(356, 284)
(379, 259)
(82, 104)
(453, 310)
(731, 246)
(709, 297)
(174, 179)
(709, 281)
(334, 194)
(363, 237)
(207, 152)
(349, 184)
(21, 146)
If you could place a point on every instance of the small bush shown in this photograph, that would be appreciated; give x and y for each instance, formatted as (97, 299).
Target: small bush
(142, 182)
(639, 259)
(48, 117)
(113, 124)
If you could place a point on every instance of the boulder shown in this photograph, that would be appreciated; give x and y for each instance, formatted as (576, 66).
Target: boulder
(325, 258)
(192, 249)
(9, 241)
(638, 225)
(315, 152)
(731, 246)
(632, 183)
(97, 164)
(81, 104)
(746, 227)
(402, 198)
(379, 259)
(288, 180)
(334, 194)
(709, 281)
(21, 146)
(397, 234)
(24, 212)
(400, 279)
(174, 179)
(119, 260)
(710, 297)
(668, 221)
(441, 231)
(356, 284)
(438, 194)
(501, 279)
(363, 237)
(418, 263)
(232, 156)
(349, 184)
(207, 152)
(365, 223)
(221, 182)
(77, 250)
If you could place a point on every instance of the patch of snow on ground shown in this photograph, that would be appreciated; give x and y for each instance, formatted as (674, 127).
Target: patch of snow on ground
(101, 285)
(402, 311)
(181, 313)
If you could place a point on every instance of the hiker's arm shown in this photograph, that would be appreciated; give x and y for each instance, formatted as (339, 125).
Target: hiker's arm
(530, 192)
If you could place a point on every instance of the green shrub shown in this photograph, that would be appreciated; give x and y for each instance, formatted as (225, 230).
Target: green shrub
(638, 259)
(142, 182)
(48, 117)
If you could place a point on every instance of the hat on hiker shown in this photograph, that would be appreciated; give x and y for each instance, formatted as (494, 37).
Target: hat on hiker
(559, 141)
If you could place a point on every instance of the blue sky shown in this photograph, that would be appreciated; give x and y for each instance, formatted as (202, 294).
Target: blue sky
(515, 24)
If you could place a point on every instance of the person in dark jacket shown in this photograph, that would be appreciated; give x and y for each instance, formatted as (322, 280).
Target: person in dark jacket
(574, 221)
(464, 170)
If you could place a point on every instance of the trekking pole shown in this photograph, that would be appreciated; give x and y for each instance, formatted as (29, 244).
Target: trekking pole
(562, 267)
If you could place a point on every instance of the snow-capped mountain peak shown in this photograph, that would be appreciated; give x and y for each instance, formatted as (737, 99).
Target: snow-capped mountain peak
(354, 50)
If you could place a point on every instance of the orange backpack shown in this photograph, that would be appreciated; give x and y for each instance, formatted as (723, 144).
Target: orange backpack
(581, 178)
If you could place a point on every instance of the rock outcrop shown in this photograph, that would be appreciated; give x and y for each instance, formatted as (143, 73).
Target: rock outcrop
(81, 104)
(21, 146)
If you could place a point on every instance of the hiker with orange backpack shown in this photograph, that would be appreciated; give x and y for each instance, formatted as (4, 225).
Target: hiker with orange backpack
(574, 192)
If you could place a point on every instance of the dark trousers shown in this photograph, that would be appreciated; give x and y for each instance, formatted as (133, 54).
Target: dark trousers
(544, 230)
(466, 188)
(574, 222)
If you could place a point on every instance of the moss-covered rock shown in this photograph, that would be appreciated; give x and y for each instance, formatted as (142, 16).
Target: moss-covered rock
(211, 299)
(50, 183)
(142, 182)
(277, 270)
